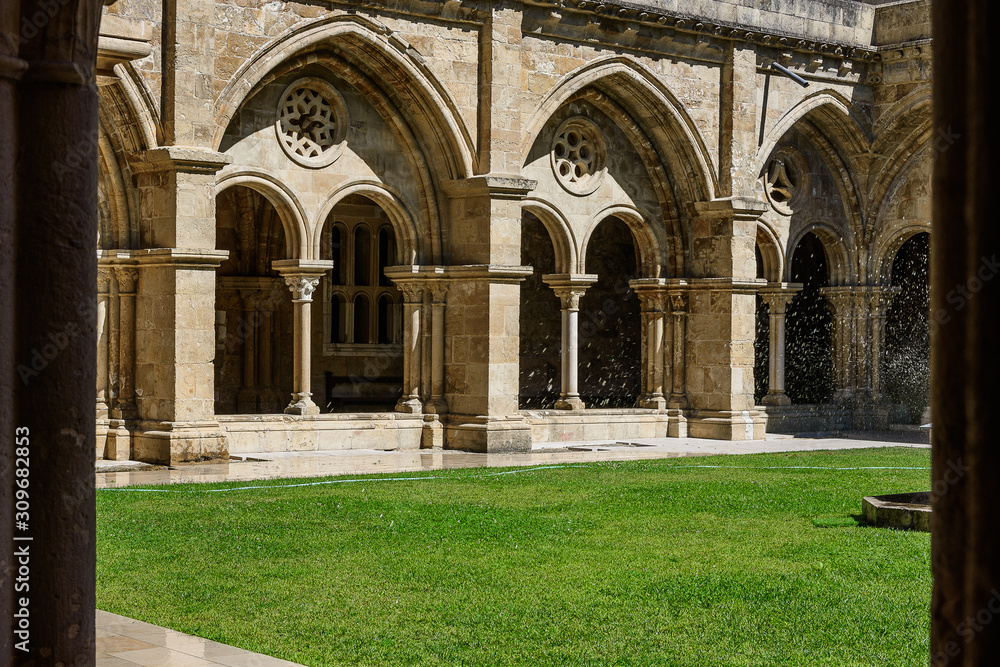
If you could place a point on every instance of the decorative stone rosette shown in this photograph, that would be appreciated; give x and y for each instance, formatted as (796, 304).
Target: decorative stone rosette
(311, 122)
(579, 156)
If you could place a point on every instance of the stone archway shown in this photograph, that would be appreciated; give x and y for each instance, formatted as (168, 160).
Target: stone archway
(809, 351)
(610, 320)
(253, 312)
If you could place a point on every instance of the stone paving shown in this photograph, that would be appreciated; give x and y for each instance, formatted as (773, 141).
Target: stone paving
(123, 642)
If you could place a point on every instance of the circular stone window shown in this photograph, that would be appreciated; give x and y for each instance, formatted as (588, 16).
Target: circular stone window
(312, 122)
(578, 156)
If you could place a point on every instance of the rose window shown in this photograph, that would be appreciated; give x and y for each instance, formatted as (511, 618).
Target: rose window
(578, 156)
(311, 122)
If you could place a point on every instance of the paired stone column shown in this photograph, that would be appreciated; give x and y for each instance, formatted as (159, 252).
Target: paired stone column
(879, 300)
(570, 288)
(302, 278)
(653, 332)
(777, 297)
(845, 339)
(859, 314)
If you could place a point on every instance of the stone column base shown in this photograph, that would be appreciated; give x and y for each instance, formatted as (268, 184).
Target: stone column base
(776, 399)
(302, 405)
(118, 441)
(487, 434)
(432, 436)
(168, 443)
(652, 402)
(677, 426)
(727, 424)
(571, 403)
(101, 437)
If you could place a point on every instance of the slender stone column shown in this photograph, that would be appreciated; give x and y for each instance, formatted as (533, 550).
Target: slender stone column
(439, 292)
(570, 288)
(413, 302)
(777, 298)
(103, 331)
(125, 407)
(678, 304)
(302, 288)
(302, 278)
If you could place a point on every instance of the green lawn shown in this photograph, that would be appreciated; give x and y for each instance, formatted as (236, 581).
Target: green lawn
(757, 562)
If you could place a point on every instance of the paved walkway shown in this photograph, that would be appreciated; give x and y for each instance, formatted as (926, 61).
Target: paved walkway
(123, 642)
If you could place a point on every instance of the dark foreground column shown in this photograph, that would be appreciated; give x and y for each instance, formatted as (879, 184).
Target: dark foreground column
(55, 352)
(965, 359)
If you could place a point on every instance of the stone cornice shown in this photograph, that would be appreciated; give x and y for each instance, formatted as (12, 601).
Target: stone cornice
(708, 31)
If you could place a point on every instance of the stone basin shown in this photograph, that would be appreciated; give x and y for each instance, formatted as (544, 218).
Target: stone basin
(906, 511)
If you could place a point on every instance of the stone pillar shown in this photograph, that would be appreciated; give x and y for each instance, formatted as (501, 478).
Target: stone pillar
(11, 69)
(651, 297)
(570, 288)
(777, 297)
(302, 278)
(482, 350)
(722, 304)
(413, 303)
(965, 360)
(53, 179)
(845, 340)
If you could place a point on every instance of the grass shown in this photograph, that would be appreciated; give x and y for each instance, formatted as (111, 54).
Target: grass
(757, 562)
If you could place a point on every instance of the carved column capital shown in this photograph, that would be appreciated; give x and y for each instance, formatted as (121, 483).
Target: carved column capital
(127, 277)
(103, 280)
(777, 296)
(678, 303)
(302, 286)
(439, 292)
(569, 287)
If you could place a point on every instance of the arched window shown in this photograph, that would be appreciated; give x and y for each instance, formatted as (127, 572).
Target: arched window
(362, 256)
(338, 255)
(338, 319)
(386, 254)
(362, 319)
(361, 242)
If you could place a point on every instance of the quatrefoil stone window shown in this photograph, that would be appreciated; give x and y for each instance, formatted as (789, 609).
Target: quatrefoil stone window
(312, 122)
(578, 156)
